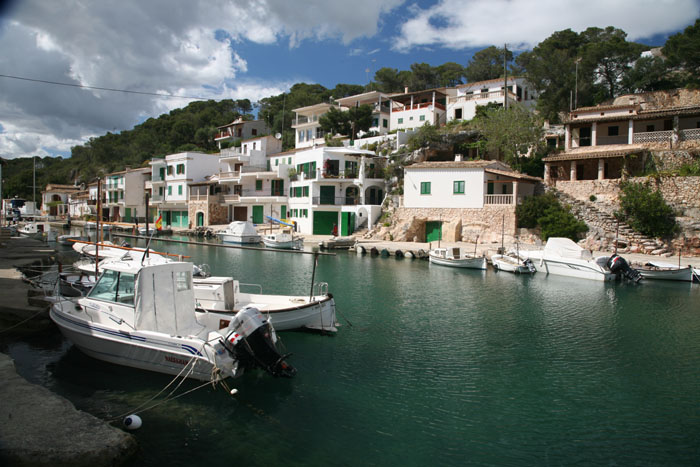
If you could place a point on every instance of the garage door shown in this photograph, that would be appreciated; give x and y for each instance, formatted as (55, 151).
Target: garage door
(323, 222)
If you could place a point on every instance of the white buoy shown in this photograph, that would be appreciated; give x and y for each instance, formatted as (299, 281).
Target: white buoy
(132, 422)
(234, 391)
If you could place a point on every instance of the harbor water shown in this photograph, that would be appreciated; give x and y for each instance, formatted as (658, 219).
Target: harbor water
(431, 366)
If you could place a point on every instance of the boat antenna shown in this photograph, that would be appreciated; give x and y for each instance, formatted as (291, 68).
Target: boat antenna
(475, 244)
(503, 228)
(148, 245)
(313, 275)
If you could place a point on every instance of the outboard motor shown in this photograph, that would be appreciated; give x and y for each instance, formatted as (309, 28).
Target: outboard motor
(251, 340)
(618, 265)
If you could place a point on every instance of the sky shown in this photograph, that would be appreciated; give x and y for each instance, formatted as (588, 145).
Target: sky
(235, 49)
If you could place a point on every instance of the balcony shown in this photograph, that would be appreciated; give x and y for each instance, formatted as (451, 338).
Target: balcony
(259, 193)
(211, 199)
(232, 198)
(335, 201)
(424, 105)
(233, 155)
(229, 176)
(498, 199)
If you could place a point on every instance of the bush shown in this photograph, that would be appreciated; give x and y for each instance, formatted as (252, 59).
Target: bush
(554, 220)
(593, 198)
(646, 211)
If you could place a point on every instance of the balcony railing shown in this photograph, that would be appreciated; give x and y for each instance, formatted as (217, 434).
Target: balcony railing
(653, 137)
(336, 201)
(692, 133)
(423, 105)
(232, 198)
(258, 193)
(216, 198)
(498, 199)
(223, 176)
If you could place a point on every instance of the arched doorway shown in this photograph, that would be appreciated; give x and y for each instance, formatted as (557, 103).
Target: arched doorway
(200, 219)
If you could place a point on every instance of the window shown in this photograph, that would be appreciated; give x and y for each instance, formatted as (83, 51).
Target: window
(298, 191)
(410, 119)
(385, 124)
(179, 189)
(170, 190)
(305, 191)
(180, 169)
(183, 280)
(277, 162)
(613, 130)
(458, 114)
(114, 286)
(424, 188)
(422, 118)
(305, 212)
(375, 122)
(160, 191)
(301, 136)
(254, 132)
(170, 170)
(458, 187)
(121, 195)
(400, 121)
(289, 161)
(258, 185)
(651, 127)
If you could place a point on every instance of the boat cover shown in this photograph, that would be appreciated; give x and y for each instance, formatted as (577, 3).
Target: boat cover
(566, 248)
(242, 228)
(165, 300)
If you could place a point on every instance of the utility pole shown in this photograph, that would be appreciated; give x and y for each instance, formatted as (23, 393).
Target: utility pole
(34, 182)
(505, 74)
(578, 60)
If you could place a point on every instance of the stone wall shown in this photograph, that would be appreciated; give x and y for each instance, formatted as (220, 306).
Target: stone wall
(214, 214)
(408, 224)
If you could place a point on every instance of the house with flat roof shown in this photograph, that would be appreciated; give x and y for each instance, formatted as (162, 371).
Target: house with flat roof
(412, 110)
(125, 193)
(239, 130)
(462, 100)
(54, 199)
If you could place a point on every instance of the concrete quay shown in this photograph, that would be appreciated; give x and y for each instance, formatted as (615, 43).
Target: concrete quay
(39, 427)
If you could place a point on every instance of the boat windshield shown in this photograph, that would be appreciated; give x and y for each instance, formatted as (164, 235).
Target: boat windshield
(114, 286)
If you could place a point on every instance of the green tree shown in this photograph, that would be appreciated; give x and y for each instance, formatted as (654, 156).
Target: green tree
(423, 76)
(487, 64)
(450, 74)
(348, 122)
(649, 74)
(422, 138)
(683, 52)
(554, 220)
(390, 80)
(646, 210)
(510, 133)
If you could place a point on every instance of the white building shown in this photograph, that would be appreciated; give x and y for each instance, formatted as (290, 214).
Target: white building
(125, 194)
(412, 110)
(464, 184)
(307, 128)
(463, 100)
(169, 184)
(381, 109)
(252, 187)
(240, 130)
(333, 186)
(54, 199)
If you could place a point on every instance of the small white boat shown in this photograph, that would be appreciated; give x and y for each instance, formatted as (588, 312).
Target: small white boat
(221, 297)
(148, 232)
(142, 315)
(512, 262)
(454, 257)
(69, 239)
(32, 230)
(239, 232)
(283, 240)
(665, 271)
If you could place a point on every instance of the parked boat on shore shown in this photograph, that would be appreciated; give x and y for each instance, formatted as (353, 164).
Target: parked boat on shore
(456, 258)
(143, 315)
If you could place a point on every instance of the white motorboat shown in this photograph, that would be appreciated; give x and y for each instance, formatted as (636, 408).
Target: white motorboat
(103, 249)
(239, 232)
(147, 232)
(142, 315)
(563, 257)
(69, 239)
(32, 230)
(283, 240)
(658, 270)
(512, 262)
(454, 257)
(221, 296)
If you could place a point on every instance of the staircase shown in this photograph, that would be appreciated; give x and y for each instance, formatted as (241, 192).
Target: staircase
(604, 230)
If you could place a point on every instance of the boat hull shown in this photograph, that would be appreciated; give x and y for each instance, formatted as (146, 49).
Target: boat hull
(287, 245)
(683, 274)
(582, 270)
(135, 349)
(509, 265)
(467, 263)
(240, 239)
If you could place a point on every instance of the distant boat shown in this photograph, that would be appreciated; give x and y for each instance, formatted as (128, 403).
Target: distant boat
(32, 230)
(283, 241)
(239, 232)
(455, 258)
(91, 225)
(512, 262)
(148, 232)
(69, 239)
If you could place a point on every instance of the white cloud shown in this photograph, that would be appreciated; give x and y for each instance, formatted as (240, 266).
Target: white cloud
(459, 24)
(167, 46)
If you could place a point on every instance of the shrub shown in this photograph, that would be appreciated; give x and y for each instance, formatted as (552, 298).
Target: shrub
(554, 220)
(592, 198)
(646, 211)
(534, 207)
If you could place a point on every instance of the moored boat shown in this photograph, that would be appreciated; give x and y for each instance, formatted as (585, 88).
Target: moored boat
(239, 232)
(283, 240)
(142, 315)
(658, 270)
(512, 262)
(456, 258)
(32, 230)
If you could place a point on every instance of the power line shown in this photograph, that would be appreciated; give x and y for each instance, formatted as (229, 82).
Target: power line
(82, 86)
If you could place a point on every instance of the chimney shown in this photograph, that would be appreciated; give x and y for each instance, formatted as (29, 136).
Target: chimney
(405, 90)
(458, 157)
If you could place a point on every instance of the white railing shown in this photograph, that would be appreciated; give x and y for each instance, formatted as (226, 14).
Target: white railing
(653, 137)
(498, 199)
(232, 198)
(229, 175)
(692, 133)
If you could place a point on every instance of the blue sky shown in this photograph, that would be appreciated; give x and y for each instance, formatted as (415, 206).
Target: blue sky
(218, 49)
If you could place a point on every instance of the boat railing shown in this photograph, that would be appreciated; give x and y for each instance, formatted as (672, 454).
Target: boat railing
(258, 286)
(322, 288)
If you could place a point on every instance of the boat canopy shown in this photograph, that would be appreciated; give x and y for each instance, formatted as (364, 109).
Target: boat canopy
(566, 248)
(242, 228)
(165, 300)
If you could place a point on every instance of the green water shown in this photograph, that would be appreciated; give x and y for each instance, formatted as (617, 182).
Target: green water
(432, 366)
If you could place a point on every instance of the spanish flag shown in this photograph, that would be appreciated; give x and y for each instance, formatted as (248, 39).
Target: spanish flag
(159, 223)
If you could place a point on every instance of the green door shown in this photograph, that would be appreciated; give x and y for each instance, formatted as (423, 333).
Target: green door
(324, 221)
(283, 212)
(347, 223)
(433, 231)
(327, 195)
(200, 219)
(127, 214)
(257, 214)
(489, 188)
